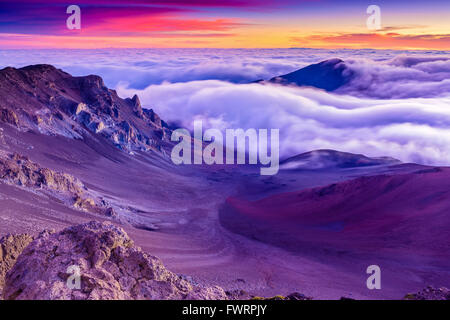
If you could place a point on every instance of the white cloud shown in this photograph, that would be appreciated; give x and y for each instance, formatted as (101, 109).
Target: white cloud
(143, 67)
(401, 77)
(415, 129)
(397, 105)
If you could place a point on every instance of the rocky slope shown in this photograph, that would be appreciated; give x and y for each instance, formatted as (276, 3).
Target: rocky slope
(21, 171)
(48, 100)
(111, 267)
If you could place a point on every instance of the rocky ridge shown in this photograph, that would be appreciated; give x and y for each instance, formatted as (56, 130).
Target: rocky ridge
(21, 171)
(50, 101)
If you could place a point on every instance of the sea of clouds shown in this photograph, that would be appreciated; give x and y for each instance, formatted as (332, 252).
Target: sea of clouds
(397, 105)
(143, 67)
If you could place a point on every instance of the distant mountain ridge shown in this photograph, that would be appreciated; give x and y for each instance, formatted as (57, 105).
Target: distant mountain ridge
(328, 75)
(51, 101)
(325, 158)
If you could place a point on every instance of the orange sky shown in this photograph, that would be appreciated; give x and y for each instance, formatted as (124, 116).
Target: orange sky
(242, 24)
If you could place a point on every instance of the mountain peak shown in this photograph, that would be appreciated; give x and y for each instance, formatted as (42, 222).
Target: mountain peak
(136, 100)
(39, 67)
(328, 75)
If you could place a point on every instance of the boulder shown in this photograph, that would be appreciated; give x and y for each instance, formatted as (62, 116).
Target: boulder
(110, 266)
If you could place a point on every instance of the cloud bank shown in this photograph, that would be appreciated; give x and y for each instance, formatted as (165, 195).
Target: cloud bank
(412, 130)
(401, 77)
(397, 105)
(143, 67)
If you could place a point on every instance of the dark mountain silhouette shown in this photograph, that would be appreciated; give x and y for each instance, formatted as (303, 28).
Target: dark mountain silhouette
(328, 75)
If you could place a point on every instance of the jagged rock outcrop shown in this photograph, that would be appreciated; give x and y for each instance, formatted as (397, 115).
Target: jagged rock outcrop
(20, 170)
(429, 293)
(11, 246)
(137, 108)
(48, 100)
(110, 265)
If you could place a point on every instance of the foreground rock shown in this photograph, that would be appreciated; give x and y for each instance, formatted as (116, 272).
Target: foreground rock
(11, 246)
(111, 267)
(430, 293)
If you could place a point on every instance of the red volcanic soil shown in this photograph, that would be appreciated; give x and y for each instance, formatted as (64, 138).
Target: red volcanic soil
(378, 212)
(400, 221)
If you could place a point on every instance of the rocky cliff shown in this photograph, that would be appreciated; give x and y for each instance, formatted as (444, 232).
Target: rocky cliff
(51, 101)
(21, 171)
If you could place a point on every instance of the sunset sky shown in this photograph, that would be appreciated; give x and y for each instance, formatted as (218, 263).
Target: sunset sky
(406, 24)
